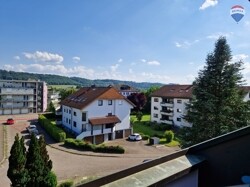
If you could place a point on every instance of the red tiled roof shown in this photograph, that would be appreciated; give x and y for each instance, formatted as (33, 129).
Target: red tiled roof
(87, 95)
(174, 91)
(104, 120)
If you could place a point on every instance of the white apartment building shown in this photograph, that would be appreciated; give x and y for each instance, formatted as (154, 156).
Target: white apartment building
(168, 104)
(97, 114)
(22, 97)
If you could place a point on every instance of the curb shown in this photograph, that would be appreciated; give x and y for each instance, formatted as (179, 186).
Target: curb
(5, 145)
(83, 154)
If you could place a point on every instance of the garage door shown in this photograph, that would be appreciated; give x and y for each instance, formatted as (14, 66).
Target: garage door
(88, 139)
(99, 139)
(128, 132)
(118, 134)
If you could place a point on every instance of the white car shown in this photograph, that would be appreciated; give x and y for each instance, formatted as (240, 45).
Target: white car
(135, 137)
(32, 129)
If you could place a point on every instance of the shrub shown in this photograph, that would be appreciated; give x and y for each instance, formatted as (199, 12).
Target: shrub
(85, 146)
(109, 149)
(67, 183)
(145, 137)
(55, 132)
(169, 135)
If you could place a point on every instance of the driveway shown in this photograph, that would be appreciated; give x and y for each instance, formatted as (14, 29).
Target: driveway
(76, 166)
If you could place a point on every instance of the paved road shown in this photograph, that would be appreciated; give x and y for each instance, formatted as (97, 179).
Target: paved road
(77, 166)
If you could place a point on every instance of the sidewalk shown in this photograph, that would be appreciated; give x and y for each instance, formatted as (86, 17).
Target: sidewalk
(1, 143)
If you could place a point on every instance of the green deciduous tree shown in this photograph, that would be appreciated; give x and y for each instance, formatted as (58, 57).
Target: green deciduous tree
(17, 172)
(217, 106)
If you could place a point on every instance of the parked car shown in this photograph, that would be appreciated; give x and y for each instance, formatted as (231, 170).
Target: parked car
(10, 121)
(135, 137)
(32, 129)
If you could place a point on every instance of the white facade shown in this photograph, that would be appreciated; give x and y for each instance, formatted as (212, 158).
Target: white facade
(169, 111)
(21, 97)
(78, 120)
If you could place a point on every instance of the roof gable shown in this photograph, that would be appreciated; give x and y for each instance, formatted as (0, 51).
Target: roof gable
(87, 95)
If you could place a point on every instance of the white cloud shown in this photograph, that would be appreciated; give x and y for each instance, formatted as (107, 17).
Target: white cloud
(39, 56)
(177, 44)
(120, 60)
(154, 62)
(208, 3)
(130, 71)
(219, 34)
(185, 44)
(58, 69)
(156, 78)
(76, 59)
(143, 60)
(239, 57)
(17, 57)
(114, 67)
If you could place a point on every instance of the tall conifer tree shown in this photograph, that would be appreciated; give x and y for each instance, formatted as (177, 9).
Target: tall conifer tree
(217, 106)
(17, 172)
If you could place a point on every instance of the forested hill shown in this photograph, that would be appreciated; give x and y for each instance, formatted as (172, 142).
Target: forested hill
(63, 80)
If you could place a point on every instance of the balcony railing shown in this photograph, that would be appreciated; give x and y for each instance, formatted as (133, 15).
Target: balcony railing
(169, 104)
(169, 122)
(167, 112)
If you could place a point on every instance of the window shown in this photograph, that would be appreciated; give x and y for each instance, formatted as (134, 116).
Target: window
(155, 115)
(69, 111)
(178, 110)
(84, 116)
(110, 114)
(156, 100)
(155, 108)
(109, 102)
(74, 113)
(64, 110)
(120, 102)
(74, 123)
(100, 102)
(178, 119)
(179, 101)
(67, 120)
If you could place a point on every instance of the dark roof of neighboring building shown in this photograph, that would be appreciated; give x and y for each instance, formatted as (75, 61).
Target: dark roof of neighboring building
(104, 120)
(181, 91)
(174, 91)
(87, 95)
(125, 87)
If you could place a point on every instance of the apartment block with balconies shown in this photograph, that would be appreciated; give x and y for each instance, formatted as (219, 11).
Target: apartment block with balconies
(168, 104)
(22, 97)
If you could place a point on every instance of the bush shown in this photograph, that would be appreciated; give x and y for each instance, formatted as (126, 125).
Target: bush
(67, 183)
(169, 135)
(109, 149)
(85, 146)
(55, 132)
(145, 137)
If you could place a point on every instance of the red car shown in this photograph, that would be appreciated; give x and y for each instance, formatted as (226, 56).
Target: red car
(10, 121)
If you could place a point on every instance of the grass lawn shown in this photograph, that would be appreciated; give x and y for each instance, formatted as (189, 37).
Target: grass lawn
(62, 86)
(141, 128)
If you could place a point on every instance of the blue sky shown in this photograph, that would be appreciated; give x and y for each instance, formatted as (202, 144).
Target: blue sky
(164, 41)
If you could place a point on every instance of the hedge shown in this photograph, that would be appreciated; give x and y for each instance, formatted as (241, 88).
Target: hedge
(55, 132)
(85, 146)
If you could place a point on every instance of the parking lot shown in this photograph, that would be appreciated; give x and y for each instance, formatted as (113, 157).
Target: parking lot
(73, 165)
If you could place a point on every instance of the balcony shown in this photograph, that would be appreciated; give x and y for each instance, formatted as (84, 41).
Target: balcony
(167, 112)
(169, 104)
(167, 121)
